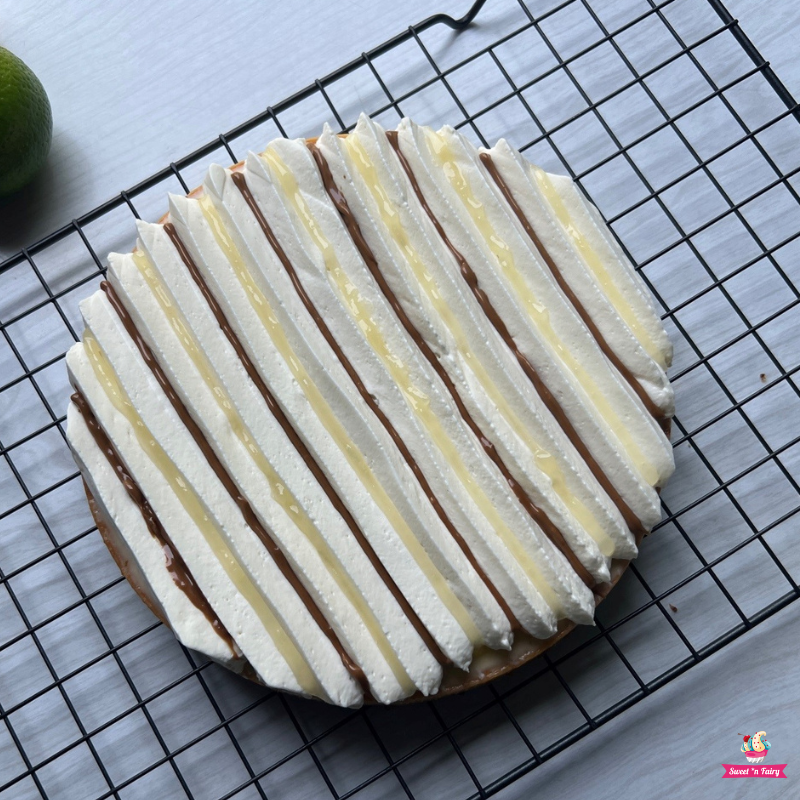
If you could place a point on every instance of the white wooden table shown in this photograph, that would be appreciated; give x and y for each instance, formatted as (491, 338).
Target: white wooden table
(137, 85)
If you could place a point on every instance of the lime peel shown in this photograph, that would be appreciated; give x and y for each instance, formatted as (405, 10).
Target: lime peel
(26, 124)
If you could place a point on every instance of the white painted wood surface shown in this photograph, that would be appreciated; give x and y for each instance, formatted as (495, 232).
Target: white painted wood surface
(136, 85)
(672, 745)
(773, 27)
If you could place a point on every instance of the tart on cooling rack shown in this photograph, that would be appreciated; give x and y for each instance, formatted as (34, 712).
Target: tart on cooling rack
(377, 416)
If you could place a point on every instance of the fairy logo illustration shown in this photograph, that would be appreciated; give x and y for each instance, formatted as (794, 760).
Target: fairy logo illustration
(755, 749)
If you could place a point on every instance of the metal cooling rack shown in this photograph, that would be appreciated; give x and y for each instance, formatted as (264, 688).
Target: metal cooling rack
(682, 135)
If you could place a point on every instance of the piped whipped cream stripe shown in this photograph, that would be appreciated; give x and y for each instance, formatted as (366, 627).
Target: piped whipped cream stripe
(594, 242)
(181, 618)
(277, 489)
(366, 326)
(262, 309)
(558, 237)
(259, 238)
(633, 520)
(511, 296)
(416, 275)
(418, 268)
(453, 596)
(570, 356)
(277, 251)
(613, 357)
(202, 366)
(241, 184)
(550, 530)
(212, 550)
(596, 266)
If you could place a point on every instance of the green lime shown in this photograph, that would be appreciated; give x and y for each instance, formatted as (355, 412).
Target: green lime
(26, 124)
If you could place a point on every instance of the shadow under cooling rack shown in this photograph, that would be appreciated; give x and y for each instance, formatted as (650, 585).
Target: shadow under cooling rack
(683, 137)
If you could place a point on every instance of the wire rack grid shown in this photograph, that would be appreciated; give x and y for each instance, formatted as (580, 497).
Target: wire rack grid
(681, 134)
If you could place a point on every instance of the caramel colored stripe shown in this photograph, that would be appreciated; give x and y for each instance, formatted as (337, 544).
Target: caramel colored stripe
(633, 522)
(233, 490)
(294, 437)
(551, 531)
(176, 566)
(623, 370)
(540, 518)
(368, 256)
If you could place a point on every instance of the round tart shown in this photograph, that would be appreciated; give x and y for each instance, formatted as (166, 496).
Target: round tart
(486, 664)
(373, 418)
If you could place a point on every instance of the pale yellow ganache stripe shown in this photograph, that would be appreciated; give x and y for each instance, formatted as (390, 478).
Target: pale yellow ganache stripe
(418, 400)
(278, 489)
(334, 427)
(544, 460)
(595, 264)
(216, 540)
(537, 311)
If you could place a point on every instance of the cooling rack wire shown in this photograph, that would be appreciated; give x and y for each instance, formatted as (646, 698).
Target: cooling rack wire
(683, 136)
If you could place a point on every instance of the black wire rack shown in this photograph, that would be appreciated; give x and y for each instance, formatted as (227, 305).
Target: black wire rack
(683, 136)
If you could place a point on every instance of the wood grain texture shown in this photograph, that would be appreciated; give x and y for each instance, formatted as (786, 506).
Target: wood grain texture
(135, 86)
(672, 745)
(215, 64)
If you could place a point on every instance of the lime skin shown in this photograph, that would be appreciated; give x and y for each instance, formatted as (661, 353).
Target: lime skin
(26, 124)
